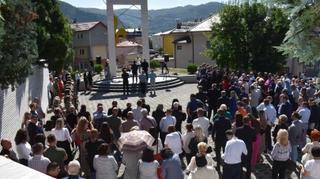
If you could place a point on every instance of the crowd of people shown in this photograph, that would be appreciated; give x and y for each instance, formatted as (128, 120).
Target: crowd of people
(247, 116)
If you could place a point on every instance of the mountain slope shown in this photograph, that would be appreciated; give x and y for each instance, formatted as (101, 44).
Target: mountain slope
(160, 20)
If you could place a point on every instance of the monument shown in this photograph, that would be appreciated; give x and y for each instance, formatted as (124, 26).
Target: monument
(111, 32)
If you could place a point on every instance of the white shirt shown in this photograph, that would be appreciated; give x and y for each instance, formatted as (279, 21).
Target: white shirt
(204, 124)
(148, 170)
(269, 111)
(233, 151)
(173, 141)
(313, 167)
(24, 150)
(39, 163)
(305, 114)
(166, 121)
(137, 114)
(186, 138)
(62, 134)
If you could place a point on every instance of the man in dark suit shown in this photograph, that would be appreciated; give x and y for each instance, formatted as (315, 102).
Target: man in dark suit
(248, 135)
(285, 107)
(223, 99)
(219, 128)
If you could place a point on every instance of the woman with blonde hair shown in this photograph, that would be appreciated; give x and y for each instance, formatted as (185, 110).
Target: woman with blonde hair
(63, 137)
(80, 136)
(280, 154)
(198, 137)
(315, 137)
(201, 165)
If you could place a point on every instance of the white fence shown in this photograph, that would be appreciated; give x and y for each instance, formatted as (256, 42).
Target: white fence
(13, 104)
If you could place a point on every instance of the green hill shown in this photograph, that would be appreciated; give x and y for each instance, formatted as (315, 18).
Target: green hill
(160, 20)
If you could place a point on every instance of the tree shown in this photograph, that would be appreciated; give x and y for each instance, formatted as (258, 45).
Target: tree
(245, 38)
(302, 40)
(54, 38)
(18, 49)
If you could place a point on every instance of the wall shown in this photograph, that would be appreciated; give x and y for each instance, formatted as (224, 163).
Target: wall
(81, 39)
(100, 50)
(98, 35)
(183, 54)
(13, 104)
(157, 42)
(200, 44)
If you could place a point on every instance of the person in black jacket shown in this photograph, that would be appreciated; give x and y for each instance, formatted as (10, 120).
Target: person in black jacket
(145, 66)
(213, 95)
(33, 129)
(248, 135)
(285, 107)
(223, 99)
(219, 128)
(125, 80)
(180, 116)
(314, 120)
(134, 70)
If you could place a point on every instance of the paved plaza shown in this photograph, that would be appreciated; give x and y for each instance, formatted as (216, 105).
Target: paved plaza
(262, 170)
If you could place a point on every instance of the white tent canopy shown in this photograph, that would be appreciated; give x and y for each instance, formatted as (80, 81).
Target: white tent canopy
(14, 170)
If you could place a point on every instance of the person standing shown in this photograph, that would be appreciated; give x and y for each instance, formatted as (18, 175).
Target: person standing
(38, 161)
(147, 165)
(55, 154)
(312, 167)
(63, 137)
(171, 165)
(104, 163)
(296, 132)
(202, 121)
(179, 114)
(165, 122)
(134, 71)
(33, 129)
(147, 121)
(23, 148)
(219, 128)
(248, 135)
(7, 150)
(115, 123)
(129, 123)
(143, 83)
(145, 67)
(232, 156)
(99, 116)
(280, 155)
(125, 80)
(305, 114)
(153, 77)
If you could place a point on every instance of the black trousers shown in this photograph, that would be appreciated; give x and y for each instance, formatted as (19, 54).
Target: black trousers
(279, 169)
(163, 137)
(143, 88)
(134, 75)
(231, 171)
(125, 87)
(188, 158)
(268, 140)
(66, 146)
(217, 149)
(246, 162)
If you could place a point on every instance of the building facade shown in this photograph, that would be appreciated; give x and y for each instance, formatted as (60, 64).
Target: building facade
(90, 40)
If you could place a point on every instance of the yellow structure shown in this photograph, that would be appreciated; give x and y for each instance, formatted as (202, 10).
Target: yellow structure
(168, 46)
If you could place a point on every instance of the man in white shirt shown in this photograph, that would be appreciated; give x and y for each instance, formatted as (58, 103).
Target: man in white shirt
(312, 167)
(165, 122)
(174, 141)
(137, 114)
(232, 156)
(38, 161)
(201, 121)
(271, 115)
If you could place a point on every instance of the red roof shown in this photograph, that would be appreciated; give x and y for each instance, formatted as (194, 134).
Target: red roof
(85, 26)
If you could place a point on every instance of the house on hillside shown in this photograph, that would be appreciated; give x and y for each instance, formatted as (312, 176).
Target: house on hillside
(90, 40)
(189, 44)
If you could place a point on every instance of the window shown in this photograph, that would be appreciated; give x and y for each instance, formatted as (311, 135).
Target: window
(80, 36)
(81, 51)
(179, 47)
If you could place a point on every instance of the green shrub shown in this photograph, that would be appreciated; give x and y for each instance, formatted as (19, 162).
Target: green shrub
(98, 68)
(155, 64)
(192, 68)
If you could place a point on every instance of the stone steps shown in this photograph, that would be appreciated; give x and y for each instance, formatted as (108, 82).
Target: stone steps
(101, 86)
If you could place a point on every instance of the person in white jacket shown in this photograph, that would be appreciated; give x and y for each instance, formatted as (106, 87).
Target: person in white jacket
(105, 165)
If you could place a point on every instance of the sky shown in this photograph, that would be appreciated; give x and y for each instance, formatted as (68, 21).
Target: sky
(153, 4)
